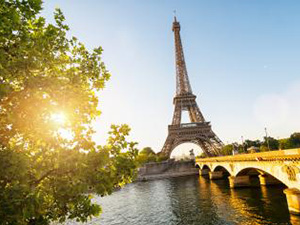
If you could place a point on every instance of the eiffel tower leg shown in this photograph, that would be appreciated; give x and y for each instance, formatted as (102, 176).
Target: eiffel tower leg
(168, 146)
(217, 143)
(177, 115)
(198, 113)
(216, 148)
(209, 147)
(205, 148)
(217, 140)
(195, 113)
(192, 115)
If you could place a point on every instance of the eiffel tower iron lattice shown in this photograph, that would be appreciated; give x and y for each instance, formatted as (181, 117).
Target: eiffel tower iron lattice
(198, 131)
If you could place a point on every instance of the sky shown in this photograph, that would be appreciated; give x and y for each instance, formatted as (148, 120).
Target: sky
(242, 57)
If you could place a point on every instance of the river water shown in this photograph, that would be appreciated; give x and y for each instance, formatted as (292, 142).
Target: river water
(193, 200)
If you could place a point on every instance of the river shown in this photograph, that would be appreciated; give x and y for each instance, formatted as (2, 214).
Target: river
(193, 200)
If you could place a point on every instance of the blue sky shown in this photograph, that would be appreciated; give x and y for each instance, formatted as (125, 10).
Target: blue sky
(242, 56)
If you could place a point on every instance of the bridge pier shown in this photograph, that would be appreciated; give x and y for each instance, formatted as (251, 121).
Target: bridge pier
(239, 181)
(216, 175)
(267, 180)
(203, 172)
(293, 200)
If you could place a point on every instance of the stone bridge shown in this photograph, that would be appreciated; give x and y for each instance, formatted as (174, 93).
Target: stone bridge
(274, 167)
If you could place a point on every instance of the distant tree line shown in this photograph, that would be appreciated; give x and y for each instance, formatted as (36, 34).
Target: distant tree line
(147, 155)
(268, 144)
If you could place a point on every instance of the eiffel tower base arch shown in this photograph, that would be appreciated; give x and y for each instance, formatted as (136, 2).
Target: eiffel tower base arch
(197, 133)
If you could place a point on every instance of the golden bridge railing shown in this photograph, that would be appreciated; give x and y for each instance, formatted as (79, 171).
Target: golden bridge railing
(290, 154)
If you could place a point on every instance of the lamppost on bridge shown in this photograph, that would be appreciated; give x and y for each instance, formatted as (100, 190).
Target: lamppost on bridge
(243, 143)
(235, 149)
(267, 139)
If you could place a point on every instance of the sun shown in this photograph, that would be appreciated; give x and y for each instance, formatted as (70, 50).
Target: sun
(58, 118)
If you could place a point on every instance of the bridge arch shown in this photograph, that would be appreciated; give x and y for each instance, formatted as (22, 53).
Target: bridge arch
(222, 169)
(204, 169)
(205, 166)
(248, 171)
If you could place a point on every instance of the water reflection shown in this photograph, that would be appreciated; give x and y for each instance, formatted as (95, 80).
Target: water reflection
(192, 200)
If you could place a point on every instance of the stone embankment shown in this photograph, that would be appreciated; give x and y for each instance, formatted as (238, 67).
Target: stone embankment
(166, 169)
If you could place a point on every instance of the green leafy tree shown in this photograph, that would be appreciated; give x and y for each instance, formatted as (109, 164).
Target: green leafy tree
(227, 149)
(250, 143)
(263, 148)
(292, 142)
(295, 140)
(48, 85)
(147, 151)
(241, 148)
(271, 143)
(202, 155)
(142, 159)
(146, 155)
(285, 143)
(161, 157)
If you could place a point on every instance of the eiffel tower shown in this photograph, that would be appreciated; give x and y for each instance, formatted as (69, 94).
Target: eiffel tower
(198, 131)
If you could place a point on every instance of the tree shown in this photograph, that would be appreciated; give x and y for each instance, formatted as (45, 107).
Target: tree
(263, 148)
(48, 85)
(292, 142)
(147, 151)
(250, 143)
(146, 155)
(295, 140)
(227, 150)
(161, 157)
(285, 143)
(202, 155)
(271, 143)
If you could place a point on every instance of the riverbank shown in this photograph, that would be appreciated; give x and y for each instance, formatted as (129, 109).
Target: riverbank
(166, 169)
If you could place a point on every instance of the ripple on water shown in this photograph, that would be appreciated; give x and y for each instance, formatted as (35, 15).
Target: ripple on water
(191, 201)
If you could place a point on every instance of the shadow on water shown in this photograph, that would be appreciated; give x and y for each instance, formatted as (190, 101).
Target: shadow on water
(255, 205)
(194, 200)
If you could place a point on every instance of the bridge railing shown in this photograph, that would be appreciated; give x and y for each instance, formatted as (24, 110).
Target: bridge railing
(289, 154)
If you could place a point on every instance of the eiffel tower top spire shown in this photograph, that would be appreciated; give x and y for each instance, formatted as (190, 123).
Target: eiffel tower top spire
(183, 86)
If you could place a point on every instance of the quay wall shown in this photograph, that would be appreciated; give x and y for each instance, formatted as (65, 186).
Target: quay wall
(165, 169)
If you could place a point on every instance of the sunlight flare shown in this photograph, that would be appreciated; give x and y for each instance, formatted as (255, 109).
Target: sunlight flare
(59, 118)
(66, 134)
